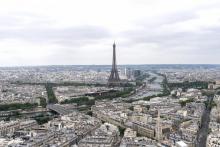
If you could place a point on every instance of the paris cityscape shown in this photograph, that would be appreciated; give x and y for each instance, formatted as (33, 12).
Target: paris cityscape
(119, 73)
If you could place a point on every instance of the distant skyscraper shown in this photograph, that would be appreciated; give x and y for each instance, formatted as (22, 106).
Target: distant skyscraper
(128, 73)
(114, 79)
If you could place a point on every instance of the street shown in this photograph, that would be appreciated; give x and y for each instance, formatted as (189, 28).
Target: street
(203, 132)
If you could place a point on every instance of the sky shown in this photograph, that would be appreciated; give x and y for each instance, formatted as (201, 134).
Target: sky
(78, 32)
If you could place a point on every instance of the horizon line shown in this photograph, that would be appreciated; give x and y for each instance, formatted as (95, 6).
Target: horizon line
(8, 66)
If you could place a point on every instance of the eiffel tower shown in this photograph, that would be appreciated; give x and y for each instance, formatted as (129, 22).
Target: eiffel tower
(114, 79)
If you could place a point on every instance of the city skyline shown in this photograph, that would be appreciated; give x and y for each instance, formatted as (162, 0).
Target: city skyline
(109, 73)
(81, 33)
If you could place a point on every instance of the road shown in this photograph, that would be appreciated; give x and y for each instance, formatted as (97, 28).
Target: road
(203, 132)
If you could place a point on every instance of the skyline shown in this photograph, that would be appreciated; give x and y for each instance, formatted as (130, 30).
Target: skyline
(109, 65)
(69, 32)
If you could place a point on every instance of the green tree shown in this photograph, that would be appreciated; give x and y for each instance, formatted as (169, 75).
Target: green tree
(50, 94)
(89, 113)
(16, 106)
(43, 102)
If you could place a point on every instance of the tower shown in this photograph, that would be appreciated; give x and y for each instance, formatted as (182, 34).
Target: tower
(114, 79)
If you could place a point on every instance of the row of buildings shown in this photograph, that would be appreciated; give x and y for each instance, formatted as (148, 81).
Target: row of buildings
(213, 139)
(14, 93)
(155, 122)
(166, 119)
(64, 131)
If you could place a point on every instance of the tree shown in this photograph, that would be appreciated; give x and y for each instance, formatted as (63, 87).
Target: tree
(183, 103)
(152, 79)
(16, 106)
(42, 119)
(121, 130)
(186, 85)
(80, 101)
(131, 108)
(50, 94)
(43, 102)
(89, 113)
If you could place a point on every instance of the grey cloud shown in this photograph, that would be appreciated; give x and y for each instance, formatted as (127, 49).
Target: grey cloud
(161, 34)
(18, 20)
(202, 41)
(40, 30)
(166, 19)
(169, 38)
(64, 36)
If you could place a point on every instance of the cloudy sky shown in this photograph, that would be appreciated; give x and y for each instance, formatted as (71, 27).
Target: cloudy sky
(58, 32)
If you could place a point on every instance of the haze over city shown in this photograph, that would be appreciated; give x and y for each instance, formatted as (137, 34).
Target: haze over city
(109, 73)
(71, 32)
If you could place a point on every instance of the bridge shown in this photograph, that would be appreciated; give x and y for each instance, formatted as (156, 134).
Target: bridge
(62, 109)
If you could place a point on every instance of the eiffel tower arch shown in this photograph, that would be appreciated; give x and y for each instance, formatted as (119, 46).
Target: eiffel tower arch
(114, 79)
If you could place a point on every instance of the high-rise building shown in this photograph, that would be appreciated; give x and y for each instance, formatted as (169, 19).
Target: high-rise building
(128, 73)
(114, 79)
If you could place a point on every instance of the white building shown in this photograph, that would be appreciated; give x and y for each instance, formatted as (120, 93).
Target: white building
(181, 144)
(213, 140)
